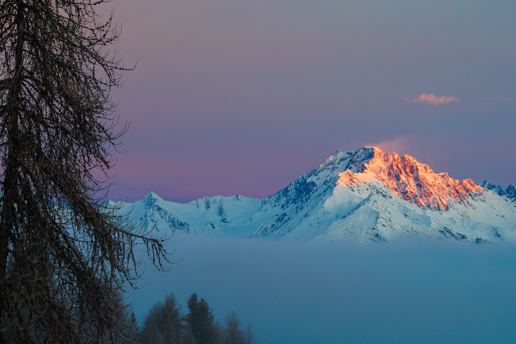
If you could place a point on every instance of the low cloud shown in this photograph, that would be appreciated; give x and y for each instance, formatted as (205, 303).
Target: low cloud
(432, 99)
(413, 291)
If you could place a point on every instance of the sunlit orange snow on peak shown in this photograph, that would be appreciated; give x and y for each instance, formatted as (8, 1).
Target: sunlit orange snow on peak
(411, 180)
(432, 99)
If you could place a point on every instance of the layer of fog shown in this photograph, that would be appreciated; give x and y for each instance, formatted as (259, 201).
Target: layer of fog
(309, 292)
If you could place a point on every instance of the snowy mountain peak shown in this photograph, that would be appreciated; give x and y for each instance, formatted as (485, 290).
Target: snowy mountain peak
(343, 160)
(151, 198)
(406, 177)
(366, 195)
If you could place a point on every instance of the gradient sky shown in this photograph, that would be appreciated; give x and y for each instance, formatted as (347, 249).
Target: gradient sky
(241, 97)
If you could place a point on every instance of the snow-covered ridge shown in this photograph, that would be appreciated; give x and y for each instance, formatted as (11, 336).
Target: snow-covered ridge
(509, 192)
(365, 195)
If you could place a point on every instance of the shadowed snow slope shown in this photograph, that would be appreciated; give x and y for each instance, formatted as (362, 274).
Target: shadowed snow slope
(365, 195)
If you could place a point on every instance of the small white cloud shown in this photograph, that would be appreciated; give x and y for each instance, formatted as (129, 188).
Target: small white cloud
(432, 99)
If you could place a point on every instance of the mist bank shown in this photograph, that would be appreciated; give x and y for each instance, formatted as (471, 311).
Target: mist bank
(418, 291)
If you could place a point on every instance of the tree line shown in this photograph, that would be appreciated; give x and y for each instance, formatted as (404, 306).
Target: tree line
(166, 324)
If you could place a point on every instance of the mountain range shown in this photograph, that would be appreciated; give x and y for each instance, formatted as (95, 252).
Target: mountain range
(366, 195)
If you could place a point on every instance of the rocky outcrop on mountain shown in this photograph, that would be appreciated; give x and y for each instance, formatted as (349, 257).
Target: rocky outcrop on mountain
(509, 192)
(411, 180)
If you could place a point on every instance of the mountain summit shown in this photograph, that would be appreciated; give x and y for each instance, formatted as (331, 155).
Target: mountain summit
(411, 180)
(365, 195)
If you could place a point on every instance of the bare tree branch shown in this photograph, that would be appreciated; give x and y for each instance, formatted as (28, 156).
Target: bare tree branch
(65, 256)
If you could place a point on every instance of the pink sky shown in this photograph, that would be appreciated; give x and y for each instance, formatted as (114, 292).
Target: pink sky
(234, 97)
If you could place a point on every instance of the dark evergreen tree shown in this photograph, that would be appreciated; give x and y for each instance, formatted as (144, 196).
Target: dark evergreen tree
(200, 318)
(249, 335)
(234, 335)
(63, 255)
(130, 331)
(219, 333)
(164, 324)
